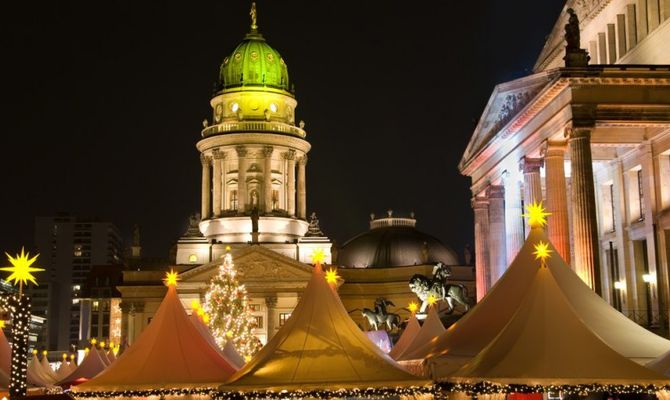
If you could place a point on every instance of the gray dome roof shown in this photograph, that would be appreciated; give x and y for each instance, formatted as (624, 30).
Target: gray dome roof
(394, 242)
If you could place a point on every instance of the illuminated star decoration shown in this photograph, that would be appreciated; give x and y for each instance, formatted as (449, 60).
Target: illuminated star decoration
(318, 256)
(21, 270)
(432, 299)
(413, 307)
(536, 215)
(331, 276)
(171, 278)
(542, 252)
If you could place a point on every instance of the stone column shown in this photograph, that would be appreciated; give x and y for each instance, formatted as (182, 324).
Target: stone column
(206, 181)
(267, 180)
(480, 205)
(514, 237)
(557, 199)
(271, 304)
(302, 188)
(241, 179)
(532, 183)
(216, 183)
(585, 227)
(498, 257)
(290, 195)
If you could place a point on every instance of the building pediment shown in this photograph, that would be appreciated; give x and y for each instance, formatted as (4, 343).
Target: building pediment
(507, 101)
(255, 264)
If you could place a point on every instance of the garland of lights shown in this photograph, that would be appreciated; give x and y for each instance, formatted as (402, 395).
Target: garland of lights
(215, 394)
(581, 390)
(19, 309)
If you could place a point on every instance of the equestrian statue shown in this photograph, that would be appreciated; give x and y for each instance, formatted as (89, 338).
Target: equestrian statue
(438, 289)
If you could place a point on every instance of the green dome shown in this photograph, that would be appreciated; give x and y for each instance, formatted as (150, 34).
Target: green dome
(254, 63)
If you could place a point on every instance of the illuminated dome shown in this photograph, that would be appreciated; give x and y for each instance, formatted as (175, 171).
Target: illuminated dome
(253, 64)
(394, 242)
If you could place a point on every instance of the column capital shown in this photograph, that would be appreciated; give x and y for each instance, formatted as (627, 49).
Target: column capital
(529, 165)
(271, 301)
(204, 160)
(241, 151)
(219, 155)
(303, 160)
(479, 203)
(289, 155)
(577, 132)
(553, 148)
(495, 192)
(267, 151)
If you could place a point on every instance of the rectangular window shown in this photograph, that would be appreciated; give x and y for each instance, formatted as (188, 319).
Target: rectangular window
(640, 193)
(259, 322)
(275, 199)
(254, 307)
(283, 317)
(233, 199)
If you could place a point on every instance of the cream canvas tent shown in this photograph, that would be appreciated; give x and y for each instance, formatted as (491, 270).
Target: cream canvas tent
(90, 366)
(231, 354)
(228, 352)
(36, 376)
(547, 343)
(432, 327)
(110, 356)
(64, 370)
(406, 338)
(169, 353)
(320, 348)
(472, 333)
(46, 367)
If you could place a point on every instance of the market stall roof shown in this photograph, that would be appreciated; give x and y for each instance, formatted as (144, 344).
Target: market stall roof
(228, 352)
(90, 366)
(547, 343)
(432, 327)
(472, 333)
(169, 353)
(320, 348)
(406, 338)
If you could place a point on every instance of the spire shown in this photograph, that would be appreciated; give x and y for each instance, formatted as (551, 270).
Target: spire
(253, 15)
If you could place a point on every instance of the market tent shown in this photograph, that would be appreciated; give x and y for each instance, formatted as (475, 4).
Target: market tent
(232, 355)
(64, 370)
(406, 338)
(432, 327)
(110, 356)
(228, 352)
(5, 354)
(46, 367)
(547, 343)
(169, 353)
(467, 337)
(36, 375)
(90, 366)
(320, 348)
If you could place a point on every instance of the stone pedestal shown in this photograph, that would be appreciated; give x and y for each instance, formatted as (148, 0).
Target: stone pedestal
(498, 257)
(480, 205)
(585, 229)
(514, 237)
(557, 199)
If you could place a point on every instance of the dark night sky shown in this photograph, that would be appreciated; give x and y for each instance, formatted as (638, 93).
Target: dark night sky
(103, 103)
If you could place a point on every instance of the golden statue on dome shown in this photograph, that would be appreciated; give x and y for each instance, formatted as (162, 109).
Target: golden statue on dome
(252, 13)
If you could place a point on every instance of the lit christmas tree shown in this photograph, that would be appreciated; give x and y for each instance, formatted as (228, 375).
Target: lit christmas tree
(229, 314)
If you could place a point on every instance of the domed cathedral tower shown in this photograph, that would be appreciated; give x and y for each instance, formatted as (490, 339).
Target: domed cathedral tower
(253, 155)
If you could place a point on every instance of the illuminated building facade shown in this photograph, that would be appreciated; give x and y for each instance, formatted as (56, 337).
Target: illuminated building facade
(592, 142)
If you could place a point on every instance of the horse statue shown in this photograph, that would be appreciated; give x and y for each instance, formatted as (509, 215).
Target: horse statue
(439, 289)
(380, 316)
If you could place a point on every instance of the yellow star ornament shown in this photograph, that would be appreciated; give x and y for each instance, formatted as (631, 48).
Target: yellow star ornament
(413, 307)
(432, 300)
(171, 278)
(318, 256)
(331, 276)
(536, 215)
(542, 252)
(21, 269)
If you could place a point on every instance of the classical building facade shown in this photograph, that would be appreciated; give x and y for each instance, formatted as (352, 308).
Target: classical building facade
(254, 196)
(593, 142)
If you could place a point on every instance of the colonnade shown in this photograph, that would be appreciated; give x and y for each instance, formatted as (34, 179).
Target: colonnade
(215, 199)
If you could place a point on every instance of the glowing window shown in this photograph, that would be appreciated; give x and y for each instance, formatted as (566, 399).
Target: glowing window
(192, 258)
(273, 107)
(233, 199)
(283, 317)
(235, 107)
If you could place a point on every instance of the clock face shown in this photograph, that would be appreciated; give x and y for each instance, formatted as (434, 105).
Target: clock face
(218, 112)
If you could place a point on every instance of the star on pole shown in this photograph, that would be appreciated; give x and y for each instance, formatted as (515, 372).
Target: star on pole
(331, 276)
(318, 256)
(21, 269)
(542, 252)
(413, 307)
(171, 278)
(432, 300)
(536, 215)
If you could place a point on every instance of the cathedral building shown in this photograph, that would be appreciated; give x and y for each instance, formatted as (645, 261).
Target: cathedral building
(254, 201)
(590, 137)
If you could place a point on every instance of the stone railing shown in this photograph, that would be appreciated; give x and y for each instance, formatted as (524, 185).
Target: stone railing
(253, 126)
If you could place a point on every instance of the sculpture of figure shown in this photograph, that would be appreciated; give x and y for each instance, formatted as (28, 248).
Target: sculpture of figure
(314, 229)
(572, 31)
(438, 288)
(380, 316)
(253, 16)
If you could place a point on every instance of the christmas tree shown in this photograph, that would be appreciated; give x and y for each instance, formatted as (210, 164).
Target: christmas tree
(229, 314)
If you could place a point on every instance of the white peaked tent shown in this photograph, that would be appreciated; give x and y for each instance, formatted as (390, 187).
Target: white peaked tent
(36, 375)
(169, 353)
(320, 348)
(476, 329)
(406, 338)
(90, 366)
(228, 352)
(46, 368)
(231, 354)
(64, 370)
(110, 356)
(546, 343)
(432, 327)
(103, 356)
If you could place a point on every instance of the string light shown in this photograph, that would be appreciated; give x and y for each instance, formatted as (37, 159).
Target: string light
(487, 388)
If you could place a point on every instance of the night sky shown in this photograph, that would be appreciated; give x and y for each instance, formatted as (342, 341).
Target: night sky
(103, 103)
